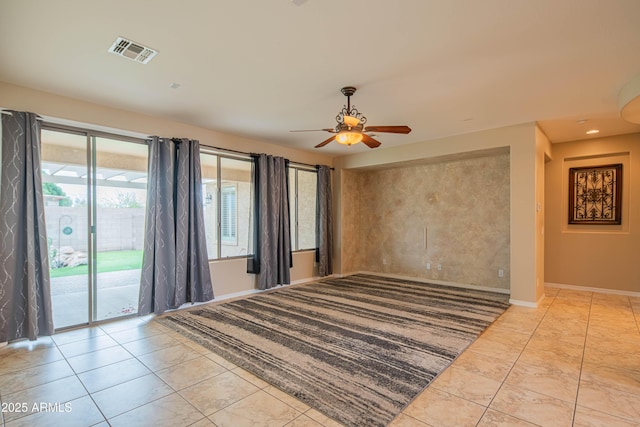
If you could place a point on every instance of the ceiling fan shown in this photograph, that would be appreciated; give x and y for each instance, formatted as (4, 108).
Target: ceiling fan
(350, 128)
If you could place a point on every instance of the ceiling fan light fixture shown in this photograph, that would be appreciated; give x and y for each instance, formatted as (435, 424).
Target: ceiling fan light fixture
(350, 128)
(349, 138)
(351, 121)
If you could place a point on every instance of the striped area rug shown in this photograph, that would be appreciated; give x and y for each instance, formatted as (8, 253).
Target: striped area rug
(358, 348)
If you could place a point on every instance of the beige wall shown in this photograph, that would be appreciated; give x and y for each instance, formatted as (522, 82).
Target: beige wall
(462, 206)
(99, 117)
(229, 276)
(600, 256)
(521, 142)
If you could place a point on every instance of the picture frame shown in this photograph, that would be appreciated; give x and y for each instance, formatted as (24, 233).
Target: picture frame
(595, 195)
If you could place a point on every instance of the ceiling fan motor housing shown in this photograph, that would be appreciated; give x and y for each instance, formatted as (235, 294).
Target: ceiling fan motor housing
(348, 90)
(343, 127)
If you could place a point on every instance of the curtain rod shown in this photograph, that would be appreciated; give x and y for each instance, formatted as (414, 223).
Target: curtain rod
(9, 113)
(251, 154)
(230, 150)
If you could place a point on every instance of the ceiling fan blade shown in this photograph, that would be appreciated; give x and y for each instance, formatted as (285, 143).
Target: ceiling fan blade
(370, 142)
(315, 130)
(325, 142)
(388, 129)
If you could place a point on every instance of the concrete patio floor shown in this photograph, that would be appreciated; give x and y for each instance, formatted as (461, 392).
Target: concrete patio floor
(117, 295)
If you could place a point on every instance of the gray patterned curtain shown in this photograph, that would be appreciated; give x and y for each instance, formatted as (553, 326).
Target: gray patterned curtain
(175, 267)
(25, 292)
(271, 257)
(324, 231)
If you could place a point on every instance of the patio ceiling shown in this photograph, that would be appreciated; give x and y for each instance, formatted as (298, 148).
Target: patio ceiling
(74, 174)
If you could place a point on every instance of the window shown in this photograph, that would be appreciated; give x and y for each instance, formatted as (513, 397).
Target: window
(302, 204)
(226, 190)
(209, 166)
(235, 196)
(229, 222)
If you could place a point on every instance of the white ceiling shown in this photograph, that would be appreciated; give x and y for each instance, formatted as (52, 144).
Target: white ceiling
(260, 68)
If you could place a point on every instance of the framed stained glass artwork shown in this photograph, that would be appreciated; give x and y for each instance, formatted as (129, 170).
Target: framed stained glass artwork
(595, 195)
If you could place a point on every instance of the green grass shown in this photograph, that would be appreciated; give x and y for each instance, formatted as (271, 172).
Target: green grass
(107, 261)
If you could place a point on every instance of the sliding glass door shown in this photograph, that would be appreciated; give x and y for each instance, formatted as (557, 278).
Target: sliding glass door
(95, 195)
(65, 169)
(120, 198)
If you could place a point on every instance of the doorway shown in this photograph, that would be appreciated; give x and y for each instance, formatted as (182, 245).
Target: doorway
(95, 194)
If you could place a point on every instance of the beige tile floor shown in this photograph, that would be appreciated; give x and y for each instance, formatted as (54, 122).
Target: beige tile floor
(574, 361)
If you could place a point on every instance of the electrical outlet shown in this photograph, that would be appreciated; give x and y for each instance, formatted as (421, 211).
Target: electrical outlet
(428, 266)
(384, 261)
(500, 273)
(439, 267)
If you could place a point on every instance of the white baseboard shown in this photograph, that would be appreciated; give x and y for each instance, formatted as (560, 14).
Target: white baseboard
(393, 276)
(237, 294)
(592, 289)
(437, 282)
(257, 291)
(527, 303)
(341, 275)
(188, 305)
(309, 279)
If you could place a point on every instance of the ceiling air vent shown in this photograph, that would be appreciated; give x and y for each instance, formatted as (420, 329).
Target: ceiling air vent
(132, 50)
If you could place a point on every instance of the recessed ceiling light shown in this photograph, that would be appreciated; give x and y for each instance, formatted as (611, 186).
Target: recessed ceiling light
(174, 85)
(581, 121)
(592, 131)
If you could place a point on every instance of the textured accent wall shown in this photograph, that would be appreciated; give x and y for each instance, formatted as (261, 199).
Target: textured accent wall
(464, 205)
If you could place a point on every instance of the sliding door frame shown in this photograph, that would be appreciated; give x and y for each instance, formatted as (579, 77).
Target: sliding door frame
(92, 267)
